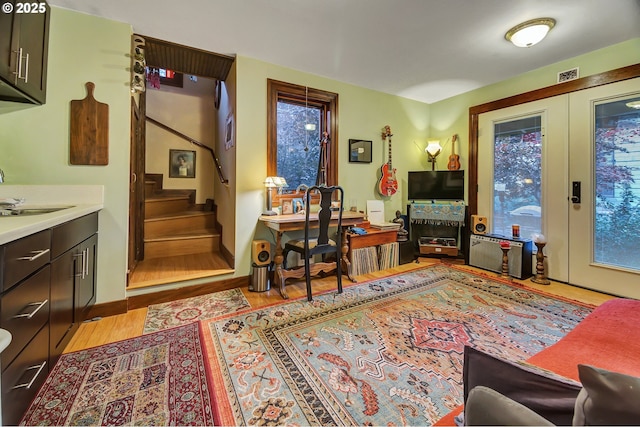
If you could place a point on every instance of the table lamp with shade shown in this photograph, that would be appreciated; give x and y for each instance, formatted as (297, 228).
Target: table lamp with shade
(270, 183)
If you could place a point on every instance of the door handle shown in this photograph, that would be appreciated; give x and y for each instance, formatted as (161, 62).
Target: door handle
(575, 192)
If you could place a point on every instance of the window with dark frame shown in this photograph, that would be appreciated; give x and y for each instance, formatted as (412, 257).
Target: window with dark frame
(301, 127)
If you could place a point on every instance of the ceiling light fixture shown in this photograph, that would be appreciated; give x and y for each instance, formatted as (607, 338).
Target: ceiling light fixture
(530, 32)
(634, 104)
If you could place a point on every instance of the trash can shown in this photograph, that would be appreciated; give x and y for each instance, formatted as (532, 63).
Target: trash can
(259, 279)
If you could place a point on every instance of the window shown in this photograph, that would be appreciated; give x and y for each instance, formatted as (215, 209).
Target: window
(301, 130)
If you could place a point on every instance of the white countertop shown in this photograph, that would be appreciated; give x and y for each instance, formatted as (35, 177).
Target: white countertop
(84, 199)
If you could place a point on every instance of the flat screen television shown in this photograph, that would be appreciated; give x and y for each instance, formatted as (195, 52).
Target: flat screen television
(436, 185)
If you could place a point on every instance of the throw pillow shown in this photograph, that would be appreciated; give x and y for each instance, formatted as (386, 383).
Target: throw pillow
(487, 407)
(547, 394)
(607, 398)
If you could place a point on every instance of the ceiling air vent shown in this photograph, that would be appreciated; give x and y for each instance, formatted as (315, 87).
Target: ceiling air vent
(565, 76)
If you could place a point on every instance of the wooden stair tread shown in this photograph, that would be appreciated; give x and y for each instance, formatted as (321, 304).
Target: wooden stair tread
(178, 268)
(181, 214)
(164, 197)
(187, 234)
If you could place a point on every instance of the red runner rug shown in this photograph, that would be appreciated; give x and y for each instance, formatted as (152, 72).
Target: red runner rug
(609, 338)
(155, 379)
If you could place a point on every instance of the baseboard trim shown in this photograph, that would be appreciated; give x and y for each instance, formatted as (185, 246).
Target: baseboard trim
(113, 308)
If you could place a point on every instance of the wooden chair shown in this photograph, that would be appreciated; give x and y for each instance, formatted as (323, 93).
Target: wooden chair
(316, 241)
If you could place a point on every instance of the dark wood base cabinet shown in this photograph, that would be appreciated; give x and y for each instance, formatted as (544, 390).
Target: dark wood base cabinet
(48, 285)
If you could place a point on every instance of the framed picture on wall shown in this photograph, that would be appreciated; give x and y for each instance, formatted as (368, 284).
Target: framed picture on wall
(182, 164)
(359, 151)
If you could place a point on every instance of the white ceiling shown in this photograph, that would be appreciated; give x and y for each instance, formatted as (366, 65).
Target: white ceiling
(426, 50)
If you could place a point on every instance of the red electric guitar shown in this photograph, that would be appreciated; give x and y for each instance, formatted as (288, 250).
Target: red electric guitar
(388, 184)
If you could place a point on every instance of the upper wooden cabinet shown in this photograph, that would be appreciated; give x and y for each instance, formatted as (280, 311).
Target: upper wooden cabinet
(24, 40)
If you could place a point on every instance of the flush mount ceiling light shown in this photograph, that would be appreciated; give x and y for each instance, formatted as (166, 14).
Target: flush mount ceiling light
(531, 32)
(634, 104)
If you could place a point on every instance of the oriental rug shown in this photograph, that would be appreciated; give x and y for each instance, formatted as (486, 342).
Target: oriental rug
(385, 352)
(187, 310)
(155, 379)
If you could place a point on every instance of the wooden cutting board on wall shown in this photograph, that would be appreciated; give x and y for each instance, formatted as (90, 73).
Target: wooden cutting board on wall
(89, 130)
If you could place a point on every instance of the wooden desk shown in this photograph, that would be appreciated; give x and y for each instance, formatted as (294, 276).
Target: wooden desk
(283, 223)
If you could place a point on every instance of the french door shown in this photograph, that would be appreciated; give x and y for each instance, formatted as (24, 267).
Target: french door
(604, 227)
(532, 156)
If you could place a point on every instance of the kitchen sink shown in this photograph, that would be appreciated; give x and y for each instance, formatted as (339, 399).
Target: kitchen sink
(18, 211)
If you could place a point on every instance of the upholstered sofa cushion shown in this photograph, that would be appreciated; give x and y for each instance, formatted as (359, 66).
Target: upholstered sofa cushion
(487, 407)
(607, 398)
(545, 393)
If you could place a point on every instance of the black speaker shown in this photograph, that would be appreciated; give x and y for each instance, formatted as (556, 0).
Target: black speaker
(479, 224)
(261, 253)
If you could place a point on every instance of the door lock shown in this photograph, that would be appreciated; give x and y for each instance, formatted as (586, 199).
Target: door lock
(575, 188)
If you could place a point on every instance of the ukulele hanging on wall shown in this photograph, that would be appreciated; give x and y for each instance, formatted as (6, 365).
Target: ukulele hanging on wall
(454, 159)
(388, 184)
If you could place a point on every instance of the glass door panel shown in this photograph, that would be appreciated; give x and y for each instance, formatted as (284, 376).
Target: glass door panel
(617, 183)
(517, 180)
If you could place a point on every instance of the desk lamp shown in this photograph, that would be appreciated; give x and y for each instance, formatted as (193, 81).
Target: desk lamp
(270, 183)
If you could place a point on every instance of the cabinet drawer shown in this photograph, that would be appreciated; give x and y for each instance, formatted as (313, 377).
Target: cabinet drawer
(68, 235)
(24, 377)
(23, 311)
(23, 257)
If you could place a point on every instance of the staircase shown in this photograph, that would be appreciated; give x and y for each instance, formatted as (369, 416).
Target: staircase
(181, 239)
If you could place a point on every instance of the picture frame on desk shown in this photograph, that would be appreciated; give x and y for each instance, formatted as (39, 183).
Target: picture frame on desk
(287, 207)
(298, 205)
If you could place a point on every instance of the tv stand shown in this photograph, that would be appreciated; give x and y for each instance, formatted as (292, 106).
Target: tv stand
(437, 232)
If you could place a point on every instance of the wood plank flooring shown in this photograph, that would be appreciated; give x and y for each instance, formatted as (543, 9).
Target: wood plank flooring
(131, 324)
(157, 271)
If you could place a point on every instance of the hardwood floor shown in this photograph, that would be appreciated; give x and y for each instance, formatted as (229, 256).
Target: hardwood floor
(131, 324)
(156, 271)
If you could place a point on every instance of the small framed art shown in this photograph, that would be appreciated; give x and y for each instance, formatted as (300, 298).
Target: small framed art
(359, 151)
(182, 164)
(286, 206)
(298, 206)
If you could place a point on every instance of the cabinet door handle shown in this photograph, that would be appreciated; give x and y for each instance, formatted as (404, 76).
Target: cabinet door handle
(18, 71)
(30, 383)
(85, 262)
(33, 313)
(26, 69)
(37, 255)
(84, 268)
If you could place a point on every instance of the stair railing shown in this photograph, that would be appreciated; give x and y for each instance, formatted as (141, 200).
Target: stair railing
(194, 142)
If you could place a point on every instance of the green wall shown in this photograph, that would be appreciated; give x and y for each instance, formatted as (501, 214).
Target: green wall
(362, 114)
(34, 140)
(451, 115)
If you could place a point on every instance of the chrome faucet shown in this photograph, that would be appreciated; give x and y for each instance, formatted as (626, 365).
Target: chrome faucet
(1, 176)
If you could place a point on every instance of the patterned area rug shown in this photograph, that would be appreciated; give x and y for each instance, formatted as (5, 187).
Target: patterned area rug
(386, 352)
(155, 379)
(181, 312)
